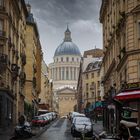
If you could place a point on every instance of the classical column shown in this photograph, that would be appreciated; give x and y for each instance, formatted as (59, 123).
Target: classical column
(76, 71)
(65, 68)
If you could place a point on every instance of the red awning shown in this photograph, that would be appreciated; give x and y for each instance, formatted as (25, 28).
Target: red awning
(135, 94)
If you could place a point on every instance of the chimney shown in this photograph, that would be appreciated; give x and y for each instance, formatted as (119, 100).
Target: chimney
(28, 8)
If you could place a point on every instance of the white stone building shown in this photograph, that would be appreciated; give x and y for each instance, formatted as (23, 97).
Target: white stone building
(64, 70)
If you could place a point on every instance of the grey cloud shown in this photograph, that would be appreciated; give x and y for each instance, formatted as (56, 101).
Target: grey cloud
(53, 15)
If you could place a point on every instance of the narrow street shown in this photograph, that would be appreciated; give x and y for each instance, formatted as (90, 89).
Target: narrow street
(60, 130)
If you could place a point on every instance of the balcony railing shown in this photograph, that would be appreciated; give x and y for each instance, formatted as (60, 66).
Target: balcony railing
(15, 70)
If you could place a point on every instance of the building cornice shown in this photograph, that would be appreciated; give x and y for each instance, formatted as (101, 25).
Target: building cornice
(124, 58)
(102, 9)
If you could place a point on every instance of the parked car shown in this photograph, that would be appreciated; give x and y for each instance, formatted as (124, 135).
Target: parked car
(38, 121)
(82, 125)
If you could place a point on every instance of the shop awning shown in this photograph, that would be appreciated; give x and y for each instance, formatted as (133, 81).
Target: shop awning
(135, 94)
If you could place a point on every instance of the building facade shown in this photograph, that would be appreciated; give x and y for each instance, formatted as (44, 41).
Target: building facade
(33, 66)
(65, 68)
(12, 60)
(121, 46)
(89, 83)
(46, 89)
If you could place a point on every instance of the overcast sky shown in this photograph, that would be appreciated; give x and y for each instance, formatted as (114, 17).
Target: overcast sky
(52, 17)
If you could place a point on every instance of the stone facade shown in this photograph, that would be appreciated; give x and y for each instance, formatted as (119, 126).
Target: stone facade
(66, 101)
(121, 47)
(12, 60)
(46, 89)
(33, 66)
(89, 82)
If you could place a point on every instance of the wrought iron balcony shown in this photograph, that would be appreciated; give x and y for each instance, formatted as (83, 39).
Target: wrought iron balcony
(22, 77)
(15, 70)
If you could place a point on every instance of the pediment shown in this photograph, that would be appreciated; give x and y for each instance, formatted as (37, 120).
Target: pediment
(66, 90)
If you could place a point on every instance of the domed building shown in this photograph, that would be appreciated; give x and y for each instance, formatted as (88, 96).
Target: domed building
(64, 73)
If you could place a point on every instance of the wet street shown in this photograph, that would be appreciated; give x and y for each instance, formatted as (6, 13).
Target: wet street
(60, 130)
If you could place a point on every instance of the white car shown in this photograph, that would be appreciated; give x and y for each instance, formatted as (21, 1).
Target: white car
(82, 125)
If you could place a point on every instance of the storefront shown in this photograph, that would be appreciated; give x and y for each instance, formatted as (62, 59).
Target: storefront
(131, 104)
(6, 109)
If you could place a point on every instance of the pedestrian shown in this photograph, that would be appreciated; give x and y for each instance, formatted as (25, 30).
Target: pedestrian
(21, 120)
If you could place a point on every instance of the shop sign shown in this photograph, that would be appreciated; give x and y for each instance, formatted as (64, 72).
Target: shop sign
(132, 86)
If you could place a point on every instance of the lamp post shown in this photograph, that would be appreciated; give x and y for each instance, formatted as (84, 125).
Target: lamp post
(95, 103)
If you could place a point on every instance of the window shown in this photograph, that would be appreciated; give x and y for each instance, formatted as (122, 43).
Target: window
(92, 94)
(61, 59)
(86, 76)
(67, 59)
(72, 59)
(92, 75)
(77, 59)
(57, 59)
(87, 86)
(1, 27)
(138, 29)
(87, 95)
(98, 84)
(1, 2)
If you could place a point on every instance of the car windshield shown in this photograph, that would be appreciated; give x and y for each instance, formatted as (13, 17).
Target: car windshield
(37, 118)
(82, 121)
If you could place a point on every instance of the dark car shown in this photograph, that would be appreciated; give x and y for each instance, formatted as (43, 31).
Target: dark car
(82, 125)
(38, 121)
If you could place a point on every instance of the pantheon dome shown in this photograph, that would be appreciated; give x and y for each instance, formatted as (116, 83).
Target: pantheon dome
(67, 47)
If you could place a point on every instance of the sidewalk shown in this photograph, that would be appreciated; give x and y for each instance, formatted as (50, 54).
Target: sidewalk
(6, 134)
(98, 128)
